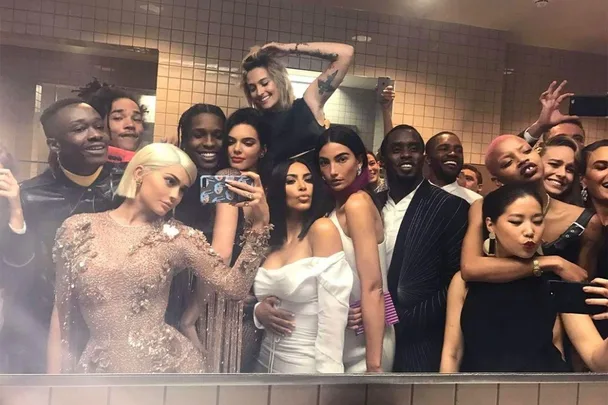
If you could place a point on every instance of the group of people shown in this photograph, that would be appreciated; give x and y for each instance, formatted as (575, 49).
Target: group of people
(333, 259)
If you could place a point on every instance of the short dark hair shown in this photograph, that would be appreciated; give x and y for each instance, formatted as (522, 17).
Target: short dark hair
(276, 198)
(496, 202)
(574, 121)
(184, 126)
(474, 170)
(49, 113)
(431, 142)
(399, 128)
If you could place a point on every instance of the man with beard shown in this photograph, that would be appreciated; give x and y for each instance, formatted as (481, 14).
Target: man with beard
(424, 228)
(444, 157)
(78, 181)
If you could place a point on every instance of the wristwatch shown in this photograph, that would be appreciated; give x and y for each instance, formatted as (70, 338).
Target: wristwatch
(536, 270)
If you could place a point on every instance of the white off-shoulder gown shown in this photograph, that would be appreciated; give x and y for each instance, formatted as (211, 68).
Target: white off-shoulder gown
(316, 290)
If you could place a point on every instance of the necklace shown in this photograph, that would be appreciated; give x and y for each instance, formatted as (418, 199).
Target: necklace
(547, 206)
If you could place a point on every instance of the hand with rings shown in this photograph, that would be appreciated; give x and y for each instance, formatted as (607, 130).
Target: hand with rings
(259, 213)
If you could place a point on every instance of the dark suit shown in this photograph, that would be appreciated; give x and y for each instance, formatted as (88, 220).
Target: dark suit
(426, 256)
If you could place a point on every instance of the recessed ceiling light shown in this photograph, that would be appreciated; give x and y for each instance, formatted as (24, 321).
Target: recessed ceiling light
(361, 38)
(541, 3)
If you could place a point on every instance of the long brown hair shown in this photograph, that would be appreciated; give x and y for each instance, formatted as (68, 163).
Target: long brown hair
(258, 58)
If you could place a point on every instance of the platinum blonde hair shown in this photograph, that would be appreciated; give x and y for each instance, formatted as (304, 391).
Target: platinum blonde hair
(257, 58)
(153, 157)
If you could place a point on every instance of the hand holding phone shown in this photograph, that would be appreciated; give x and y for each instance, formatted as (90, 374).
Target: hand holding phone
(214, 188)
(579, 298)
(385, 90)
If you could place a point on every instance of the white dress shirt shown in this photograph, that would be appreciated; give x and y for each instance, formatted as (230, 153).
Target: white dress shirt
(392, 215)
(462, 192)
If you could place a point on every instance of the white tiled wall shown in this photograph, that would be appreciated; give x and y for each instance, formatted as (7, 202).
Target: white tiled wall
(417, 394)
(448, 76)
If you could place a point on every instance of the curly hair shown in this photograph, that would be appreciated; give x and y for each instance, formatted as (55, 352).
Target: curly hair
(100, 96)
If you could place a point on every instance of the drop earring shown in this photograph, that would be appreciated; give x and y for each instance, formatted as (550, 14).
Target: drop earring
(359, 171)
(584, 194)
(489, 245)
(138, 184)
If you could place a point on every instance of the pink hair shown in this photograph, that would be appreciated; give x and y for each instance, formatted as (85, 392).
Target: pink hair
(494, 145)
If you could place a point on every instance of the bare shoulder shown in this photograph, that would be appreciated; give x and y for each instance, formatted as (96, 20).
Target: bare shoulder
(358, 202)
(324, 227)
(324, 238)
(594, 228)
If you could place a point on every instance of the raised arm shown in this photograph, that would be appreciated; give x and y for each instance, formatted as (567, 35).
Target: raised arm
(340, 57)
(360, 221)
(475, 266)
(224, 230)
(550, 115)
(197, 254)
(17, 245)
(453, 343)
(235, 282)
(587, 341)
(386, 106)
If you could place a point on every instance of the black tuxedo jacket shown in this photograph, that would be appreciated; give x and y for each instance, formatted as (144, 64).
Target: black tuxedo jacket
(426, 256)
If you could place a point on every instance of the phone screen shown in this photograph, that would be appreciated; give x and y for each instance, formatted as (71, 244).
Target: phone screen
(589, 106)
(214, 190)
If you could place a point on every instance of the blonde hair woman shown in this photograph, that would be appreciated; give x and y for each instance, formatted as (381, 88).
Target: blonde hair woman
(114, 271)
(296, 124)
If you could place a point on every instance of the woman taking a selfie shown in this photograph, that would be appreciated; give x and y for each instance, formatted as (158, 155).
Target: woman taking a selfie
(342, 159)
(513, 326)
(306, 274)
(114, 271)
(244, 146)
(566, 239)
(295, 124)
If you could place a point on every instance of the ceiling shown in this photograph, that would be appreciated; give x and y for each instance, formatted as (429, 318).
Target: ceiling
(563, 24)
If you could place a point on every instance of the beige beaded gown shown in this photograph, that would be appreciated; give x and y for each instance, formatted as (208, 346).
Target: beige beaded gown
(112, 289)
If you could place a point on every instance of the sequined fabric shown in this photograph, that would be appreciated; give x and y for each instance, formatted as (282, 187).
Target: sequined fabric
(117, 279)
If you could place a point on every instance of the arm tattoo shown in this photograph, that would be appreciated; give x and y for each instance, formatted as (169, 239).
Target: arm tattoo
(325, 85)
(332, 57)
(298, 52)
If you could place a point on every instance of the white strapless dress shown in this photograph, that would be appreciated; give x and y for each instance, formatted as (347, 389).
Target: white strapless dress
(354, 345)
(316, 290)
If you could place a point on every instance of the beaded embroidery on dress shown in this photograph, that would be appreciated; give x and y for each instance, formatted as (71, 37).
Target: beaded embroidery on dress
(113, 284)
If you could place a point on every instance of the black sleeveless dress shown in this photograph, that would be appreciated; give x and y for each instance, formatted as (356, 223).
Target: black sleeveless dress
(508, 328)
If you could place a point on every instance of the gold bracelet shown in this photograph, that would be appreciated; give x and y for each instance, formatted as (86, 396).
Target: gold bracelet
(536, 270)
